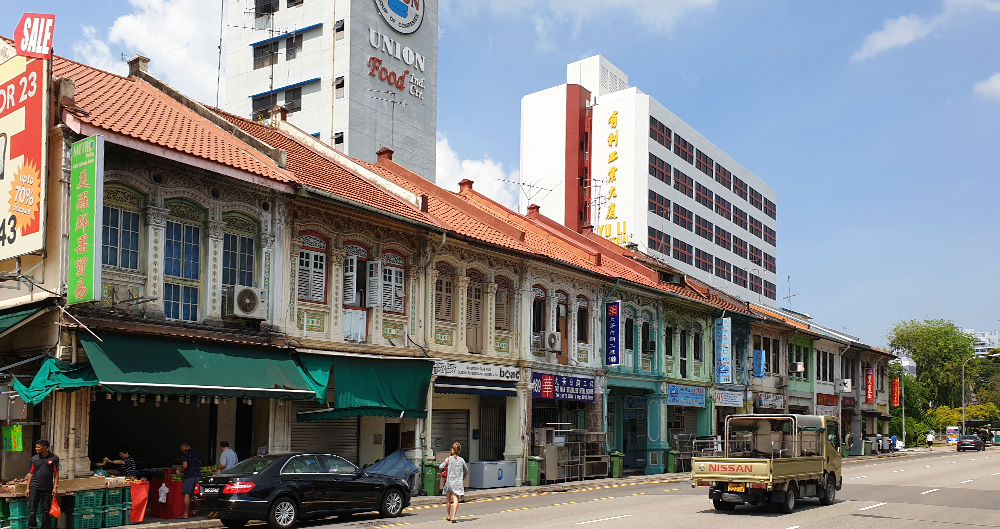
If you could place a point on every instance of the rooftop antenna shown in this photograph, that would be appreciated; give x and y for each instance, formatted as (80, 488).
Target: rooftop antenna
(264, 10)
(789, 297)
(393, 102)
(530, 191)
(222, 27)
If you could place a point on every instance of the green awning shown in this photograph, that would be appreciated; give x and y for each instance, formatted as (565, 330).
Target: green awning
(141, 364)
(12, 320)
(376, 387)
(55, 374)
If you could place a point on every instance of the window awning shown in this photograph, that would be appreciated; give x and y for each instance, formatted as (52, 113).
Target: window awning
(140, 364)
(469, 386)
(374, 387)
(11, 321)
(52, 375)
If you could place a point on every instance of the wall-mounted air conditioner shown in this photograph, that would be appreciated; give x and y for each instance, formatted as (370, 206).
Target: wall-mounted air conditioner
(244, 302)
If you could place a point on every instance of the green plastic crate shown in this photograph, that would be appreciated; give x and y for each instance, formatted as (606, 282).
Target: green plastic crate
(85, 519)
(18, 508)
(114, 496)
(22, 523)
(113, 516)
(89, 499)
(127, 499)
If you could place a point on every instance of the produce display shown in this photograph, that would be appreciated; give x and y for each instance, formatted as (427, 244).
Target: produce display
(9, 487)
(207, 471)
(132, 481)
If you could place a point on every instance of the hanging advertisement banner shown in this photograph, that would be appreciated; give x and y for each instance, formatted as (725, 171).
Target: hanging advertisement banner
(870, 385)
(612, 333)
(894, 392)
(759, 363)
(13, 441)
(33, 35)
(678, 395)
(723, 350)
(732, 399)
(86, 206)
(24, 91)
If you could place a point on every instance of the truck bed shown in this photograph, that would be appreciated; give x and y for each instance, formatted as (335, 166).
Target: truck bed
(754, 470)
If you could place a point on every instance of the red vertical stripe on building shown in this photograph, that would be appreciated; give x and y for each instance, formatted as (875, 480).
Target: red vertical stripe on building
(576, 161)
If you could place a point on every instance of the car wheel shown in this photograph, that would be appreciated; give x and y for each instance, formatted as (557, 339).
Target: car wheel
(723, 505)
(830, 490)
(283, 513)
(787, 506)
(234, 524)
(392, 503)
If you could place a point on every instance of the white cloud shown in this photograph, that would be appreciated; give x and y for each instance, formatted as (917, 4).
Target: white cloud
(989, 89)
(179, 36)
(488, 174)
(904, 30)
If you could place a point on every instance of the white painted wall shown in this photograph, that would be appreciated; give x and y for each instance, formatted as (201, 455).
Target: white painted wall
(543, 151)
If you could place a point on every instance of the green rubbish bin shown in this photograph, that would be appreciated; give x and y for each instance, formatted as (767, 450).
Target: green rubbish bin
(534, 467)
(432, 479)
(671, 461)
(617, 462)
(868, 447)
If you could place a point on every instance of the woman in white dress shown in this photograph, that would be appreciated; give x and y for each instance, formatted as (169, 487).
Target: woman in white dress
(454, 483)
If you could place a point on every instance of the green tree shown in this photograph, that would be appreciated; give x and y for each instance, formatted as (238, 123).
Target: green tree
(983, 412)
(915, 395)
(939, 349)
(943, 416)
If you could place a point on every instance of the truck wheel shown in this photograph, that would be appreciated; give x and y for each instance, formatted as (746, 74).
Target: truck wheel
(787, 506)
(830, 489)
(723, 505)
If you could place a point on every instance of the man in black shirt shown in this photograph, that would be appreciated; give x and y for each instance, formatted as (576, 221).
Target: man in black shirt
(43, 482)
(192, 473)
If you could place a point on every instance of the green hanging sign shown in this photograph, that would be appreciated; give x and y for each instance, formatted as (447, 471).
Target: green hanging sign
(12, 439)
(85, 218)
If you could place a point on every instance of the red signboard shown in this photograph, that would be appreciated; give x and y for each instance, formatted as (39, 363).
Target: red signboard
(827, 400)
(870, 385)
(33, 35)
(894, 391)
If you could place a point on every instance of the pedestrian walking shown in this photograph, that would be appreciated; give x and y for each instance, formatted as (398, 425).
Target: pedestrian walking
(454, 481)
(192, 473)
(228, 458)
(930, 440)
(43, 482)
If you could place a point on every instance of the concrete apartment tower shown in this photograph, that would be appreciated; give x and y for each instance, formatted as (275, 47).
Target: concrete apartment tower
(619, 163)
(357, 74)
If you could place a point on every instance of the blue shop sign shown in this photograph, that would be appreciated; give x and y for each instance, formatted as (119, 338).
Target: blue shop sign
(612, 334)
(723, 351)
(685, 396)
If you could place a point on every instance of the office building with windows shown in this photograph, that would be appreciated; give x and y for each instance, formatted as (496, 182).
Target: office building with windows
(613, 159)
(357, 74)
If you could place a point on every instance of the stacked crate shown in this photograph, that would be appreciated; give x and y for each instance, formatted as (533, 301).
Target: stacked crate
(16, 511)
(116, 507)
(87, 511)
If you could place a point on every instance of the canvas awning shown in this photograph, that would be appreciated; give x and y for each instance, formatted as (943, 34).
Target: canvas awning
(52, 375)
(376, 387)
(11, 321)
(142, 364)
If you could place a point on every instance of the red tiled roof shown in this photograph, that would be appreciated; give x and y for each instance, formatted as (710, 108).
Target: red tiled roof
(133, 108)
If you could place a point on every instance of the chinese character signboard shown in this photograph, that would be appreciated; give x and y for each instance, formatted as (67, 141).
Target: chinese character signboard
(894, 391)
(612, 334)
(723, 351)
(870, 385)
(824, 399)
(759, 363)
(85, 212)
(560, 387)
(685, 396)
(732, 399)
(24, 92)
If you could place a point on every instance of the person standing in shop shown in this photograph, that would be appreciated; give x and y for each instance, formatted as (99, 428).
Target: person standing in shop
(228, 458)
(43, 482)
(192, 473)
(127, 463)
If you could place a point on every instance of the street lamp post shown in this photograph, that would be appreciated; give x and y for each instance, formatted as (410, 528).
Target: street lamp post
(963, 384)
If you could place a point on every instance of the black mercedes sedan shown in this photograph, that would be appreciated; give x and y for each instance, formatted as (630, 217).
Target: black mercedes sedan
(970, 442)
(282, 489)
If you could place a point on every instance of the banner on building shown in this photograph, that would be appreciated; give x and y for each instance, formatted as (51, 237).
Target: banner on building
(86, 208)
(772, 401)
(894, 391)
(678, 395)
(24, 93)
(13, 441)
(870, 385)
(828, 410)
(732, 399)
(759, 363)
(561, 387)
(723, 350)
(454, 368)
(825, 399)
(612, 333)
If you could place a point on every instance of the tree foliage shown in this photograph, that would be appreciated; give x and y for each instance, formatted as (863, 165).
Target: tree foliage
(943, 416)
(939, 349)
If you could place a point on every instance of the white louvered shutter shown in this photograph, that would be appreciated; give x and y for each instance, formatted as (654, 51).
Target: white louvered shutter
(303, 287)
(438, 299)
(387, 300)
(500, 308)
(399, 290)
(351, 280)
(374, 286)
(318, 282)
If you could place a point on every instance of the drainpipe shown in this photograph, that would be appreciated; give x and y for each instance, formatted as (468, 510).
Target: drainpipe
(72, 419)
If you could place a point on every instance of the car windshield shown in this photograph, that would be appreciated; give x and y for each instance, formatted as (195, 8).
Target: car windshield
(970, 438)
(252, 465)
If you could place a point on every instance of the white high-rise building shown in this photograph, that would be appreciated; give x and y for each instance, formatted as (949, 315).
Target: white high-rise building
(613, 159)
(358, 74)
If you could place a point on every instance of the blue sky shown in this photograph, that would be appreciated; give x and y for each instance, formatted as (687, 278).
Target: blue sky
(877, 123)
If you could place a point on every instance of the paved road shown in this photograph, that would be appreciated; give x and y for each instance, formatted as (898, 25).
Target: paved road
(936, 489)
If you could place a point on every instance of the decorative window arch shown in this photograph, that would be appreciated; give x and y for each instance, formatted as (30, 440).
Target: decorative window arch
(582, 320)
(121, 227)
(239, 250)
(502, 303)
(182, 260)
(355, 262)
(312, 271)
(444, 292)
(538, 309)
(393, 282)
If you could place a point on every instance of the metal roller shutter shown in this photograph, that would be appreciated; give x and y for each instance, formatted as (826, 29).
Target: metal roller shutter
(337, 436)
(449, 426)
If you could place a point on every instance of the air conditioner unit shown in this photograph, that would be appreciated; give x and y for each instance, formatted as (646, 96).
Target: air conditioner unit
(244, 302)
(552, 341)
(798, 367)
(844, 385)
(780, 381)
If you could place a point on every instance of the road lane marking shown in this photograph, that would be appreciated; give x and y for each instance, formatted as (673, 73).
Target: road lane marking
(928, 466)
(392, 525)
(795, 527)
(640, 493)
(929, 491)
(967, 481)
(604, 519)
(670, 490)
(517, 509)
(605, 498)
(564, 503)
(995, 474)
(954, 462)
(872, 506)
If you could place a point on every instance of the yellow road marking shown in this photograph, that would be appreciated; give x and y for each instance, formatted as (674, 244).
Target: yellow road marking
(518, 509)
(392, 525)
(565, 503)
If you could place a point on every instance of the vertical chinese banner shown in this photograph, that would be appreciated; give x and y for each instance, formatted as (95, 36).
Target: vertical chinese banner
(870, 385)
(723, 351)
(612, 334)
(85, 219)
(894, 391)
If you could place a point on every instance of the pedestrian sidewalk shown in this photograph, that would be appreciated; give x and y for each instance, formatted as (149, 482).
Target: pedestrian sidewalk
(591, 484)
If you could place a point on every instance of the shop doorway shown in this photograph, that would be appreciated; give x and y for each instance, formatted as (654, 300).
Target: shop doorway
(492, 428)
(391, 438)
(634, 431)
(243, 444)
(152, 433)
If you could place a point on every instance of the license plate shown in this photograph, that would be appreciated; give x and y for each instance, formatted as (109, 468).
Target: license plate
(737, 487)
(210, 490)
